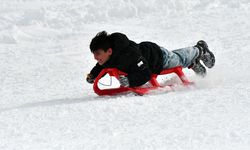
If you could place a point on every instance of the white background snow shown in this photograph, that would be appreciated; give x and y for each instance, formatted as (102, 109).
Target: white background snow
(46, 104)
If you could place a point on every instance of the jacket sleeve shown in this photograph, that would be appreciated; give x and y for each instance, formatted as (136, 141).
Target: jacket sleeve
(139, 73)
(96, 70)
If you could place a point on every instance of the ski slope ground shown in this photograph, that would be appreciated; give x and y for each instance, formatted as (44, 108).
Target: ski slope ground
(46, 104)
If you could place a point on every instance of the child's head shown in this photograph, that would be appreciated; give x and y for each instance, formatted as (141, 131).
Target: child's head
(100, 46)
(100, 41)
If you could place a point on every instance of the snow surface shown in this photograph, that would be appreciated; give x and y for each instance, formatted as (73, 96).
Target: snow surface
(46, 103)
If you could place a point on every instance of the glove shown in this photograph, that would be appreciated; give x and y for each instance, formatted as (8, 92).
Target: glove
(124, 81)
(90, 78)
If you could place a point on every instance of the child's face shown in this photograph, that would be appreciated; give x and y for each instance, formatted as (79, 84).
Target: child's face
(101, 56)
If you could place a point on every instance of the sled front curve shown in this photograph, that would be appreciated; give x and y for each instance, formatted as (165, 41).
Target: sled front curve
(112, 72)
(139, 90)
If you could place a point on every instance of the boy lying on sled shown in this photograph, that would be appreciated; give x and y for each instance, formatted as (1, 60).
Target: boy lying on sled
(141, 60)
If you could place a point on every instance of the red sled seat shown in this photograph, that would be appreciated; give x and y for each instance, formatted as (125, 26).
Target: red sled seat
(139, 90)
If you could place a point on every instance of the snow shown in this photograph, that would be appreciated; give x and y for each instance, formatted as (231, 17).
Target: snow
(46, 103)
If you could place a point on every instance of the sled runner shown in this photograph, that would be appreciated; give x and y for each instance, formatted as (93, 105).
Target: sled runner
(138, 90)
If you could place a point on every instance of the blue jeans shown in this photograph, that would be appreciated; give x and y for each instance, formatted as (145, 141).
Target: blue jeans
(181, 57)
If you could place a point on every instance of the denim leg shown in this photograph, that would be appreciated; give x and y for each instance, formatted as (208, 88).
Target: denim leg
(181, 57)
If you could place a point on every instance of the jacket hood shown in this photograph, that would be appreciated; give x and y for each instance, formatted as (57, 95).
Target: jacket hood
(120, 45)
(119, 41)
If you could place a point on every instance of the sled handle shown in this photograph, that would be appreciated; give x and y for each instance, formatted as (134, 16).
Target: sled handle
(112, 72)
(113, 91)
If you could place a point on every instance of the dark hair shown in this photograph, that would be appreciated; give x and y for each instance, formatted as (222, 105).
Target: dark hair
(100, 41)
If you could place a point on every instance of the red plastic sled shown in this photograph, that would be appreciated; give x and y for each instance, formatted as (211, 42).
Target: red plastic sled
(139, 90)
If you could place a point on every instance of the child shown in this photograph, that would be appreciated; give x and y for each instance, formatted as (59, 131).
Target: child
(139, 61)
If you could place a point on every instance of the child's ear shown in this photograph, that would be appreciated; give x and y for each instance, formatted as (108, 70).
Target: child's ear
(110, 51)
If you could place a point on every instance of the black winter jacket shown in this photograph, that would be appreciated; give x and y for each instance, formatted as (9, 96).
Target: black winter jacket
(139, 61)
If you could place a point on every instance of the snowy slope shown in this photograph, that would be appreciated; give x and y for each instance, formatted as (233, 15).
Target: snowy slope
(44, 58)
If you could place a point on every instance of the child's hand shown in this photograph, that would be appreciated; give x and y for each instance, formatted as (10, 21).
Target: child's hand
(90, 78)
(124, 81)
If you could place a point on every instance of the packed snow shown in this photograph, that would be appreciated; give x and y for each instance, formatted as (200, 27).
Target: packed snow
(46, 104)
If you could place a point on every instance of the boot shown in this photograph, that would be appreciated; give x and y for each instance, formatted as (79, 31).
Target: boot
(205, 55)
(199, 69)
